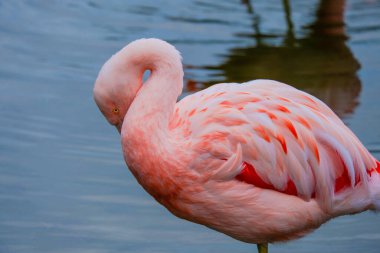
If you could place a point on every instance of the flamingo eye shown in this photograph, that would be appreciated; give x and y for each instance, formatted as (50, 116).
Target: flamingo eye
(115, 110)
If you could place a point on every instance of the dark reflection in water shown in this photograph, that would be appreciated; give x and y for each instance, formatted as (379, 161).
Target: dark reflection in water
(320, 63)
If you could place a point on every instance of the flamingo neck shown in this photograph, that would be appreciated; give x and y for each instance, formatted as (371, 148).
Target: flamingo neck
(154, 102)
(145, 132)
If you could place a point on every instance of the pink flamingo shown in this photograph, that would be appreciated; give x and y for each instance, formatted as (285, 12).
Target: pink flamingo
(259, 161)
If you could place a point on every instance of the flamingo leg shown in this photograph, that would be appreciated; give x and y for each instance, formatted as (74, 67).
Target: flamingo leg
(262, 247)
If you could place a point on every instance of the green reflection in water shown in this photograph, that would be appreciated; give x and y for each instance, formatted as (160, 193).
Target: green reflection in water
(320, 62)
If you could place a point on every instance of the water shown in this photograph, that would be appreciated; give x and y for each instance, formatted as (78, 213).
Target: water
(64, 186)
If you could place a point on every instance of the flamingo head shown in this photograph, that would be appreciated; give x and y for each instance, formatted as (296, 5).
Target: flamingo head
(121, 76)
(115, 90)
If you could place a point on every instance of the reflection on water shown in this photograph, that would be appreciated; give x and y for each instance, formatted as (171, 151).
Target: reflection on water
(63, 183)
(320, 62)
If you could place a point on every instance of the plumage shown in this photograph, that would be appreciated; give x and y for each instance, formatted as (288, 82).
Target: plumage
(259, 161)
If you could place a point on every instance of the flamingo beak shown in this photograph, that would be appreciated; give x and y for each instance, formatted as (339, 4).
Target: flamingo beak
(118, 127)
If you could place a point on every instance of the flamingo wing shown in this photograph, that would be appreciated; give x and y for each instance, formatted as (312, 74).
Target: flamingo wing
(272, 136)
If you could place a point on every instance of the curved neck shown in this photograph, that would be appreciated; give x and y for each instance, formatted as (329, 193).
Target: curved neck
(155, 100)
(145, 132)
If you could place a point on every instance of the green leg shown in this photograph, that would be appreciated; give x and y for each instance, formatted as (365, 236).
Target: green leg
(262, 247)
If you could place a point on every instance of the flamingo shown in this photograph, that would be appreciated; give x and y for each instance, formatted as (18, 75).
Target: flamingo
(260, 161)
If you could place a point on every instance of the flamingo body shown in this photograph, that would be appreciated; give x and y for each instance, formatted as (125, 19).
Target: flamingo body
(259, 161)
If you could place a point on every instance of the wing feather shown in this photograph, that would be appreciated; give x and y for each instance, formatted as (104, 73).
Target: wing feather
(286, 135)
